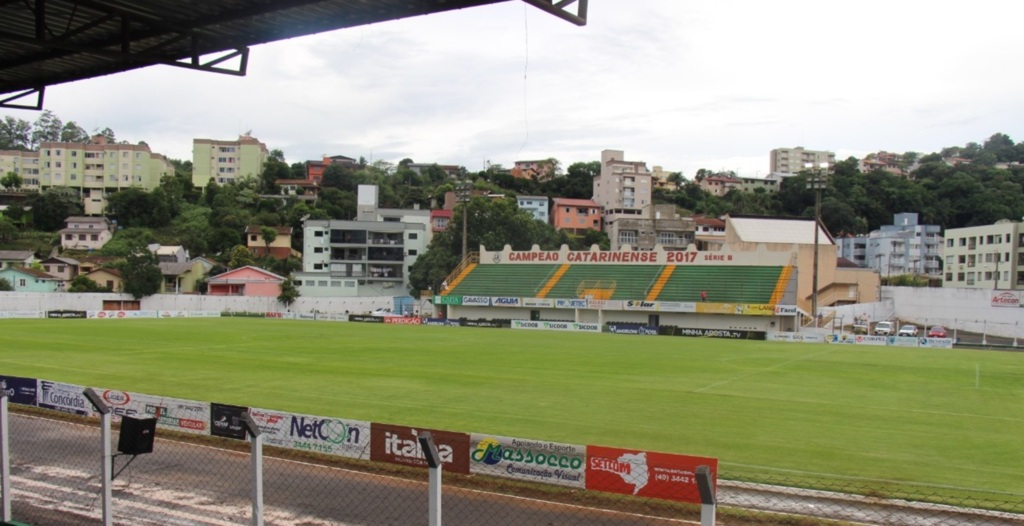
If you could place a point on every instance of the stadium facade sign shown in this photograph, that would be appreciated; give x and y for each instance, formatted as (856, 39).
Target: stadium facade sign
(330, 436)
(529, 460)
(785, 310)
(483, 301)
(720, 333)
(571, 304)
(447, 300)
(629, 328)
(646, 474)
(401, 445)
(538, 302)
(641, 305)
(503, 301)
(678, 306)
(658, 256)
(1005, 299)
(604, 304)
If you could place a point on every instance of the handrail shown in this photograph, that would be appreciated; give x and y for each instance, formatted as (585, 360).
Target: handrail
(471, 258)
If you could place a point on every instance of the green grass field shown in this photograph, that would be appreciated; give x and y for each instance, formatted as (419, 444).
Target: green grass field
(950, 418)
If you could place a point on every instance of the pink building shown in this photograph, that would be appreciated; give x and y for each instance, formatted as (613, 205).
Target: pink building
(245, 281)
(575, 215)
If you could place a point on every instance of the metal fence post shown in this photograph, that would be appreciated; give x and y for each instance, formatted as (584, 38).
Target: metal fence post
(108, 457)
(708, 503)
(5, 458)
(257, 468)
(434, 463)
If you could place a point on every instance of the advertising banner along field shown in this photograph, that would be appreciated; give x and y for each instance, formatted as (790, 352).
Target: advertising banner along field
(646, 473)
(401, 445)
(187, 416)
(331, 436)
(530, 460)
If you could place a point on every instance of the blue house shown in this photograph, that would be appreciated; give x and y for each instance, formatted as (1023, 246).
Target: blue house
(27, 279)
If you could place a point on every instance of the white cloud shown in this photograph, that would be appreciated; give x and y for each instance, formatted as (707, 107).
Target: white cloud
(683, 85)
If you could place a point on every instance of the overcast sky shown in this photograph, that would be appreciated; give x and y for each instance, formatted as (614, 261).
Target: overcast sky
(678, 84)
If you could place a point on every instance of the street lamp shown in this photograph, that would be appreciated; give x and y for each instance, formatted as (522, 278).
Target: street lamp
(463, 191)
(818, 181)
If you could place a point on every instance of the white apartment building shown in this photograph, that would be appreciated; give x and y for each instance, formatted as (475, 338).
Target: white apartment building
(623, 190)
(985, 257)
(789, 161)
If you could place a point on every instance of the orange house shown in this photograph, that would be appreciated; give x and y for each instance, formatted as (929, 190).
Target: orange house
(575, 215)
(245, 281)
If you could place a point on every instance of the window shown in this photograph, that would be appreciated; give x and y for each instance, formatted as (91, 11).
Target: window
(959, 276)
(321, 283)
(81, 237)
(298, 283)
(68, 237)
(22, 282)
(336, 284)
(60, 268)
(94, 237)
(318, 266)
(350, 284)
(412, 252)
(252, 238)
(627, 237)
(318, 233)
(318, 250)
(949, 276)
(414, 235)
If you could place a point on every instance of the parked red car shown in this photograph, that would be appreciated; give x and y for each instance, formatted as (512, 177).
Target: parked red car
(938, 331)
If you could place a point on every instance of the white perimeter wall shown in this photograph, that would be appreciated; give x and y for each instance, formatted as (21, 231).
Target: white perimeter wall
(68, 301)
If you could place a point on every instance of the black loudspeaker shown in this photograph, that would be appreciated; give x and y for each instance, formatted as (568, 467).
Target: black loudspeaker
(137, 435)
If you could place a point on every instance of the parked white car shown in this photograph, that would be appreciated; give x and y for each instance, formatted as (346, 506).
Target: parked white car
(908, 330)
(885, 328)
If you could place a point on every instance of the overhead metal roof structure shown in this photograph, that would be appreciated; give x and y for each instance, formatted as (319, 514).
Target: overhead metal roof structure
(47, 42)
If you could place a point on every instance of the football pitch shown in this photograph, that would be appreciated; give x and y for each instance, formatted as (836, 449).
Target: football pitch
(952, 419)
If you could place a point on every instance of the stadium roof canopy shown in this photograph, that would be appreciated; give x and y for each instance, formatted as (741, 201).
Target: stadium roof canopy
(47, 42)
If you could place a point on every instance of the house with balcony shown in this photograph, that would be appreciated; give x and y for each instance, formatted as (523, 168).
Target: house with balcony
(658, 225)
(28, 279)
(86, 233)
(245, 281)
(62, 268)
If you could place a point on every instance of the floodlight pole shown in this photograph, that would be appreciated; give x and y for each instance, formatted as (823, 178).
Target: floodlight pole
(5, 457)
(463, 191)
(108, 457)
(817, 183)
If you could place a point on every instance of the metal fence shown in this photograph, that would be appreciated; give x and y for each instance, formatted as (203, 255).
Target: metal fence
(56, 473)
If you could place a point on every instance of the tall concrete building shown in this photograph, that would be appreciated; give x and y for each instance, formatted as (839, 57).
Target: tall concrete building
(226, 161)
(904, 247)
(370, 256)
(788, 161)
(94, 170)
(623, 189)
(985, 257)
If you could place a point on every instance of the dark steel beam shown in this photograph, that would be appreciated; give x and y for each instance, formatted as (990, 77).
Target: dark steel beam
(8, 101)
(558, 9)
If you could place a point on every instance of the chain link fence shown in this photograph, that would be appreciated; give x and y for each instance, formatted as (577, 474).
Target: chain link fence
(55, 465)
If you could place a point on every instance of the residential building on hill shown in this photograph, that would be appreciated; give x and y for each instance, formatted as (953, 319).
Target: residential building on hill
(86, 233)
(709, 232)
(315, 169)
(789, 161)
(227, 161)
(16, 258)
(658, 225)
(719, 185)
(369, 256)
(95, 170)
(28, 279)
(575, 215)
(541, 170)
(750, 184)
(279, 248)
(622, 187)
(536, 205)
(660, 178)
(904, 247)
(453, 171)
(985, 257)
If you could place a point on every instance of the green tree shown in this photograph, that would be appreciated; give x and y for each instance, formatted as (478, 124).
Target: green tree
(339, 176)
(241, 257)
(81, 283)
(52, 207)
(72, 132)
(5, 286)
(47, 128)
(269, 236)
(141, 272)
(8, 230)
(126, 240)
(11, 181)
(15, 134)
(289, 292)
